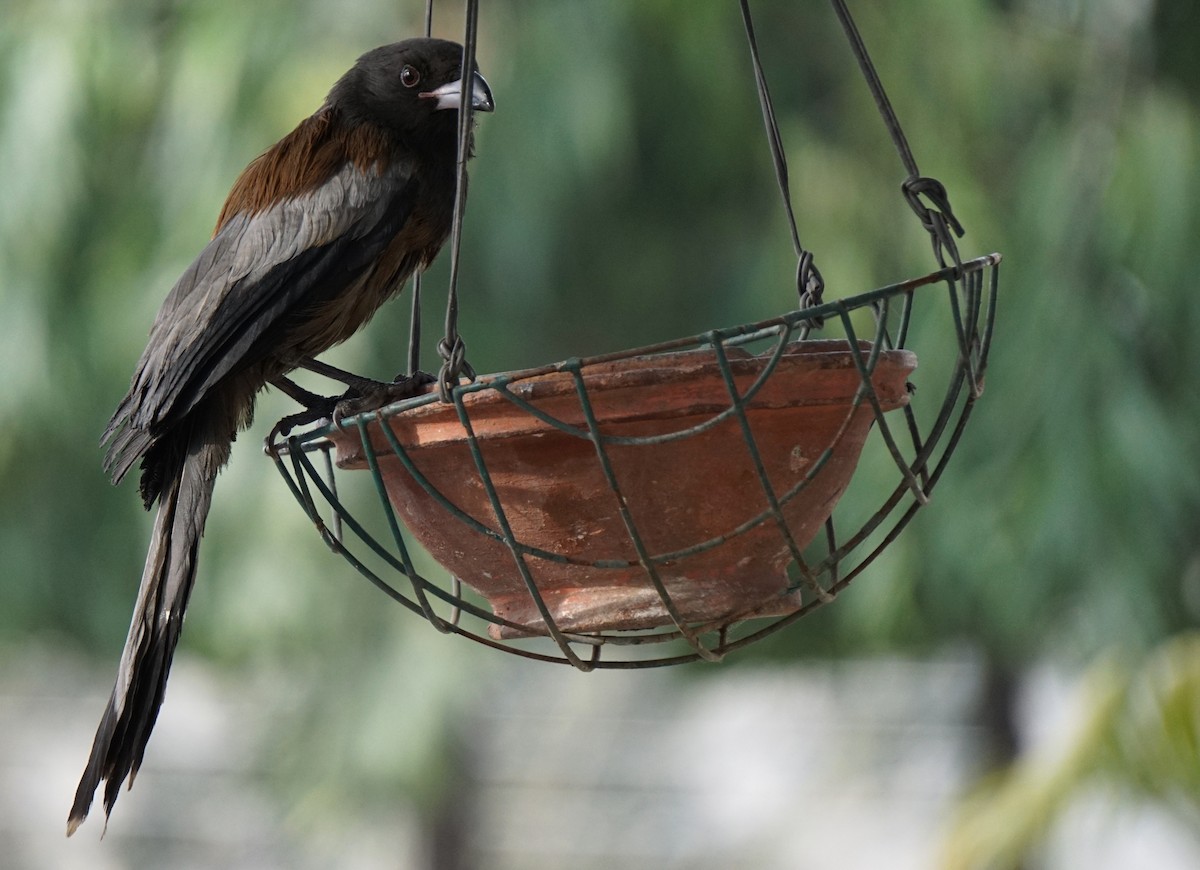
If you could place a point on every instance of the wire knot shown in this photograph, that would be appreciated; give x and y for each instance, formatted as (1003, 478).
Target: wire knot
(937, 217)
(454, 364)
(810, 285)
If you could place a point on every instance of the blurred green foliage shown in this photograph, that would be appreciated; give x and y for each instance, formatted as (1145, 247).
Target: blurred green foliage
(623, 194)
(1138, 733)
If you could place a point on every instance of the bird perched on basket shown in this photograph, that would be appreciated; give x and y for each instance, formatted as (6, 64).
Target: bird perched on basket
(317, 233)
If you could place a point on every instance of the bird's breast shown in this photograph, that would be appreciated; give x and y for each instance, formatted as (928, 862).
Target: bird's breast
(413, 247)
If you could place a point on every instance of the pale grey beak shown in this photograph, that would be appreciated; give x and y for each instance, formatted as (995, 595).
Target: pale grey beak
(448, 96)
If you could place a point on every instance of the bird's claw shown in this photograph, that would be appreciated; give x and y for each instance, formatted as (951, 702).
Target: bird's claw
(371, 396)
(323, 410)
(365, 395)
(416, 380)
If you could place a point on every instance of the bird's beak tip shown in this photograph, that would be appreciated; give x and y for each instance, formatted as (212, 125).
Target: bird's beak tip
(449, 95)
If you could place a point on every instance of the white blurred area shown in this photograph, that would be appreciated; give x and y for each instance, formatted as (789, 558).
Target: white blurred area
(839, 765)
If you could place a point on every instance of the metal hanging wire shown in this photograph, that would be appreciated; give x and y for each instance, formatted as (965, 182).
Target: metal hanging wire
(414, 335)
(451, 348)
(917, 446)
(809, 284)
(937, 217)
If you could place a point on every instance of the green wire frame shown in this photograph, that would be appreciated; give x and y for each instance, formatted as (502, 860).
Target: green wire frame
(919, 450)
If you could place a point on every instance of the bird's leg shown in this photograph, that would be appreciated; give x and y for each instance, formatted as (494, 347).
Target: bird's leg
(316, 408)
(358, 384)
(362, 394)
(375, 394)
(416, 380)
(365, 394)
(310, 400)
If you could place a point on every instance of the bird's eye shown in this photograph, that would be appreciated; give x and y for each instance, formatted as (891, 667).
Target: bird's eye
(409, 76)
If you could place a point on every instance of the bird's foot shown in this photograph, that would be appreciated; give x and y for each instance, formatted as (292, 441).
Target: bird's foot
(319, 410)
(316, 407)
(363, 395)
(371, 395)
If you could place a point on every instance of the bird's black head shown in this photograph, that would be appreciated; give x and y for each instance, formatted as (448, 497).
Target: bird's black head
(408, 86)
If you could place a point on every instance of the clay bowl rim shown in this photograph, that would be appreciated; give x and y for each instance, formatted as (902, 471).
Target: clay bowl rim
(520, 389)
(362, 453)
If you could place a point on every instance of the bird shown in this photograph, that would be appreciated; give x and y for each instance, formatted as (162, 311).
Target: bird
(316, 234)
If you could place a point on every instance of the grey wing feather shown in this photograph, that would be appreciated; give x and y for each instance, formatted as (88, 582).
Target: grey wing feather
(256, 271)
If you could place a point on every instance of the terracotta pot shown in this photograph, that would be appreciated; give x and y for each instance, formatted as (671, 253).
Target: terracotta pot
(680, 492)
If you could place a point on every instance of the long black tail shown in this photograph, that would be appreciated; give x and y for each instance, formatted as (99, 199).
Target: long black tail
(157, 619)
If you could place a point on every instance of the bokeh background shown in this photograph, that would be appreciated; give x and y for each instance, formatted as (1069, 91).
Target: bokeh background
(1016, 685)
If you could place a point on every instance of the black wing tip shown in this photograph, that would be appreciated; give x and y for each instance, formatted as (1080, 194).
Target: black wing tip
(117, 456)
(127, 444)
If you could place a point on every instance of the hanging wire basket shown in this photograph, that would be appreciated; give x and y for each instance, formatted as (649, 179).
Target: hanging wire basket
(475, 480)
(673, 502)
